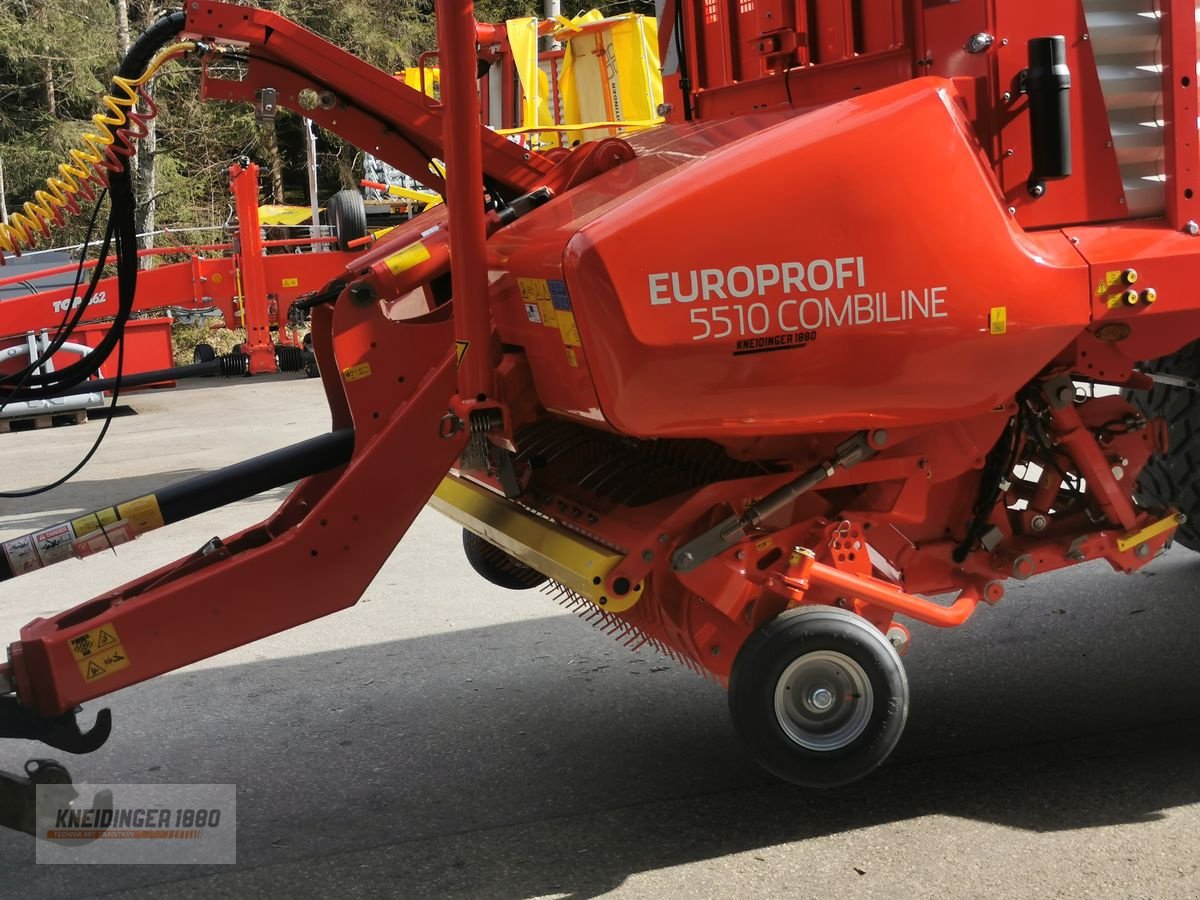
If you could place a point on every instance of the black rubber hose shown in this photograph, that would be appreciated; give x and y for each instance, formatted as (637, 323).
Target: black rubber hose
(230, 365)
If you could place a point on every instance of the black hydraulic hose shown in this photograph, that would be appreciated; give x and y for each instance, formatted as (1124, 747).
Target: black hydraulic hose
(150, 41)
(105, 528)
(230, 365)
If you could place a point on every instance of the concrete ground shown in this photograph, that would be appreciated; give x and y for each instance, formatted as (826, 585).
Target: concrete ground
(448, 738)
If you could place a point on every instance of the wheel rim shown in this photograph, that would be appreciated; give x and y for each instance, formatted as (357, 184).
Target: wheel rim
(823, 701)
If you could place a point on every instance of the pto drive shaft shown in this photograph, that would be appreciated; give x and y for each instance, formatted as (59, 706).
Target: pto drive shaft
(105, 528)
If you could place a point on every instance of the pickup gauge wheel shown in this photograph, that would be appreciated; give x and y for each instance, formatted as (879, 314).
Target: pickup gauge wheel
(497, 566)
(819, 696)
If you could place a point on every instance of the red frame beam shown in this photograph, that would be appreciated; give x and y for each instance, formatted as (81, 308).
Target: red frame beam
(1181, 138)
(369, 107)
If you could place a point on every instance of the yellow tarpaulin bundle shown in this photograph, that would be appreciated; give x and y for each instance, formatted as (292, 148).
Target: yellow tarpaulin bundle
(433, 80)
(535, 86)
(610, 73)
(609, 79)
(272, 214)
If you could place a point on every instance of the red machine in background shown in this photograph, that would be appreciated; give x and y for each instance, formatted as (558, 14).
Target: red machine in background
(759, 442)
(251, 281)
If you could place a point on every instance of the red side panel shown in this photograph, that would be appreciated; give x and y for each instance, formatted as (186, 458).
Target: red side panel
(790, 280)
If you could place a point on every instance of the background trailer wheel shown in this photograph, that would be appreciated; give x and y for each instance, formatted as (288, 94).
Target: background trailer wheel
(497, 566)
(347, 212)
(819, 696)
(203, 353)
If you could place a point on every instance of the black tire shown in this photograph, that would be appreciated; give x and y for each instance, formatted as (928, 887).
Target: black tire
(1170, 479)
(347, 212)
(824, 653)
(310, 359)
(203, 353)
(497, 566)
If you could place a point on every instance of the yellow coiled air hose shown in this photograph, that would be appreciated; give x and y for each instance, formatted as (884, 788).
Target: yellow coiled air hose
(101, 151)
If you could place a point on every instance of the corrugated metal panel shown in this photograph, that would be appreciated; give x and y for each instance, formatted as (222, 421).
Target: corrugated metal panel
(1126, 40)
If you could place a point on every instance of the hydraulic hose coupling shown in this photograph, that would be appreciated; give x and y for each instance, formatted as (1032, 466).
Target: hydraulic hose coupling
(103, 150)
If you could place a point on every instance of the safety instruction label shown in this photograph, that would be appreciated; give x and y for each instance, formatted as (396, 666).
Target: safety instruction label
(21, 555)
(142, 513)
(536, 294)
(104, 539)
(94, 521)
(291, 282)
(412, 255)
(357, 373)
(998, 320)
(54, 544)
(99, 652)
(1111, 281)
(548, 303)
(83, 536)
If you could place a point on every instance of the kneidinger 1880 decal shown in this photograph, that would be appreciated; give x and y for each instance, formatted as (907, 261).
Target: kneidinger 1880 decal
(797, 301)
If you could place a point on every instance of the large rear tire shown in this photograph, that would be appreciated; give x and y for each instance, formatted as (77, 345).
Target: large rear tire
(1170, 479)
(819, 696)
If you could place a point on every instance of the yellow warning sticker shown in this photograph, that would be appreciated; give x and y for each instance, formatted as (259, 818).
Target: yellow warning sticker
(537, 291)
(99, 652)
(92, 642)
(412, 255)
(567, 328)
(460, 350)
(291, 282)
(104, 663)
(92, 521)
(998, 320)
(534, 288)
(142, 513)
(572, 359)
(357, 373)
(548, 313)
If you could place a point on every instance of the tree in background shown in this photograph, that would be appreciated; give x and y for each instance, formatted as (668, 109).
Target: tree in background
(58, 56)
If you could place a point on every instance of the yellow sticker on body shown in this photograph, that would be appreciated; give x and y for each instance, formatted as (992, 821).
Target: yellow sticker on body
(572, 359)
(998, 320)
(549, 314)
(534, 288)
(142, 513)
(357, 373)
(412, 255)
(99, 652)
(568, 329)
(291, 282)
(460, 350)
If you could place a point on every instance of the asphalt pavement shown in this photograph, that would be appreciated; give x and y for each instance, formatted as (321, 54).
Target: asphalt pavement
(449, 738)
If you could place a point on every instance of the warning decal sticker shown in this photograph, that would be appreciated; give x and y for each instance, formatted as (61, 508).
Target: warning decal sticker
(99, 652)
(412, 255)
(356, 373)
(142, 513)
